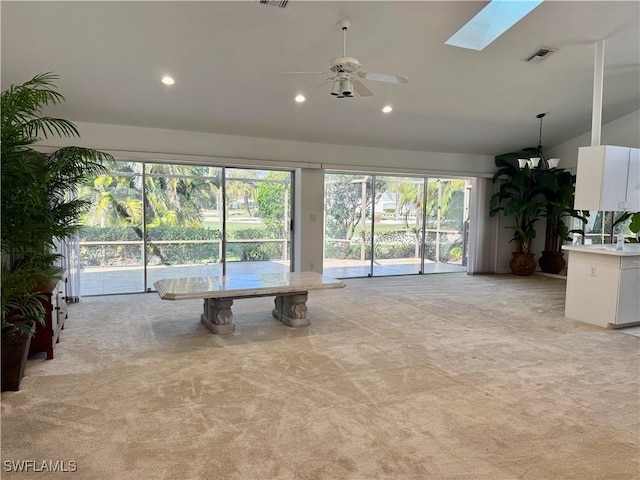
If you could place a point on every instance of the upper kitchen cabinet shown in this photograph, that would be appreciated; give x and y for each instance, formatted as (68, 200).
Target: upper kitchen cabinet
(608, 178)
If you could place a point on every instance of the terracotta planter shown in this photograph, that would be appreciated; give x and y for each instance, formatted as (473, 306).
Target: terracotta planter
(14, 362)
(522, 264)
(552, 262)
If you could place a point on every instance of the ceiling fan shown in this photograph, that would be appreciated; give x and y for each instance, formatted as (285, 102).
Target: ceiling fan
(345, 75)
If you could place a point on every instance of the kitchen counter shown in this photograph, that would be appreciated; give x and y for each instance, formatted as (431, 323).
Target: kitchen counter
(603, 285)
(629, 250)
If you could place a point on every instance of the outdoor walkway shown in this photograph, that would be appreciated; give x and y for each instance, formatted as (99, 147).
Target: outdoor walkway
(110, 280)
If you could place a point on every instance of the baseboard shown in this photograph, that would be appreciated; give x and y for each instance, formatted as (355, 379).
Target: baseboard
(552, 275)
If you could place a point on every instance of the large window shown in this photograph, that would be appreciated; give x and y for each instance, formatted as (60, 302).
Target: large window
(159, 220)
(112, 241)
(182, 211)
(397, 225)
(392, 225)
(258, 220)
(602, 227)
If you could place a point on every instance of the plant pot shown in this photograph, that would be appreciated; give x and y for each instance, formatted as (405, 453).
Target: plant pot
(552, 262)
(14, 361)
(522, 264)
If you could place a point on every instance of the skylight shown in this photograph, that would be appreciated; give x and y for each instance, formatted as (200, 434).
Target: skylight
(491, 22)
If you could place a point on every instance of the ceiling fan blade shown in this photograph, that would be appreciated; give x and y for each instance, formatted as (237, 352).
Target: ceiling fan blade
(295, 73)
(381, 77)
(360, 88)
(318, 84)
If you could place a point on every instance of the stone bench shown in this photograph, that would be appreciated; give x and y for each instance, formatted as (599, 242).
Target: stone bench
(290, 289)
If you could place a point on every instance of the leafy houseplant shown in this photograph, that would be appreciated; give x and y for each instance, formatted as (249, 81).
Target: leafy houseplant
(36, 207)
(634, 226)
(21, 311)
(519, 196)
(557, 187)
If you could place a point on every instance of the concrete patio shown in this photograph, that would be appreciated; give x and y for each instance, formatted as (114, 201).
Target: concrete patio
(117, 279)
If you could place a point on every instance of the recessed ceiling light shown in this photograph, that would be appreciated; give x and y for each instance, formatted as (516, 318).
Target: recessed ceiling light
(386, 109)
(300, 98)
(167, 80)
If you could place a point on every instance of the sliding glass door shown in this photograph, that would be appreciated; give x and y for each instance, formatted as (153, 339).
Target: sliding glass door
(182, 218)
(447, 220)
(392, 225)
(111, 244)
(397, 227)
(348, 206)
(258, 219)
(155, 220)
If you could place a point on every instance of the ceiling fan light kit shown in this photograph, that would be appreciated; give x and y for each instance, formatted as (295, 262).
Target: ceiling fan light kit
(274, 3)
(345, 75)
(346, 87)
(335, 89)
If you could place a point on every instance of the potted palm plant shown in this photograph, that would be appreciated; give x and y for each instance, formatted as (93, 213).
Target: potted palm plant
(36, 207)
(519, 198)
(22, 309)
(557, 187)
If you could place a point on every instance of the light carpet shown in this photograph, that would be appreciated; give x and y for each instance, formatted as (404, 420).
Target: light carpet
(425, 377)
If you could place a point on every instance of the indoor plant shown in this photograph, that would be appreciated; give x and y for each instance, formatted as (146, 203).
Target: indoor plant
(37, 208)
(519, 196)
(557, 187)
(634, 226)
(21, 311)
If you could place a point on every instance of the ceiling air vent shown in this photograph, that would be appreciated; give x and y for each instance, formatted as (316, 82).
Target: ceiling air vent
(540, 54)
(275, 3)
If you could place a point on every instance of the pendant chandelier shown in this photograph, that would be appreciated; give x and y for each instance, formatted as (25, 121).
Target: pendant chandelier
(539, 161)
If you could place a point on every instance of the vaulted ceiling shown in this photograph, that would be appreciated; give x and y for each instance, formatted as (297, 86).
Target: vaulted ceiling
(228, 60)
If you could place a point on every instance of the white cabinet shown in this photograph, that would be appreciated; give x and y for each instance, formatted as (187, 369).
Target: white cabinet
(608, 178)
(603, 285)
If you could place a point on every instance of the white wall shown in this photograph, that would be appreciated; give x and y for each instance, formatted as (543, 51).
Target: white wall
(232, 149)
(624, 131)
(308, 223)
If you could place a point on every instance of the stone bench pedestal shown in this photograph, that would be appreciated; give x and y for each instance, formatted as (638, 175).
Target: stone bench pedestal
(292, 309)
(217, 316)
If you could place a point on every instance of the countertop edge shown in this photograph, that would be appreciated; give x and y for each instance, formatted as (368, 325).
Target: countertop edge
(598, 250)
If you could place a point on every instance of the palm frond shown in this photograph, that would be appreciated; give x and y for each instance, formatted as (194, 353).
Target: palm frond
(22, 106)
(37, 205)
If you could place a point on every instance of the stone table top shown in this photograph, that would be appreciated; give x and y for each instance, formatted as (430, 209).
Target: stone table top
(243, 285)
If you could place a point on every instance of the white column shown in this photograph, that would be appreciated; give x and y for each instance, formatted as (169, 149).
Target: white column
(308, 223)
(598, 75)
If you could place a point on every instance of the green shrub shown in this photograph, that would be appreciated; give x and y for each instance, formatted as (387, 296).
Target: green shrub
(342, 250)
(118, 234)
(454, 254)
(173, 253)
(390, 251)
